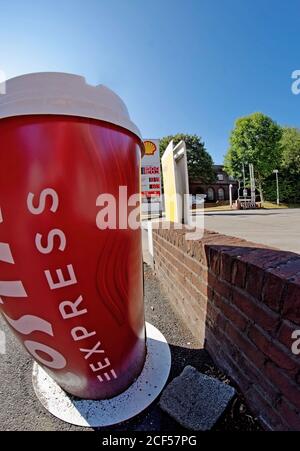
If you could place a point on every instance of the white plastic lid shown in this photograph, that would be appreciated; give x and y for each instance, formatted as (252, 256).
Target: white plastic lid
(65, 94)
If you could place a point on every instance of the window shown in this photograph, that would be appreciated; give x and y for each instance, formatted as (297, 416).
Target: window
(221, 194)
(210, 194)
(220, 177)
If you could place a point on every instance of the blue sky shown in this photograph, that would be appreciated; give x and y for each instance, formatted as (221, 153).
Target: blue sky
(189, 66)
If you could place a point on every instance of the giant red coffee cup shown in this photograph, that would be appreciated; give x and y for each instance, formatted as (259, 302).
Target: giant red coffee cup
(71, 288)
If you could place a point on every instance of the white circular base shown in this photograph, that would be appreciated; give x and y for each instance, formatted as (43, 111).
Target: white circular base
(107, 412)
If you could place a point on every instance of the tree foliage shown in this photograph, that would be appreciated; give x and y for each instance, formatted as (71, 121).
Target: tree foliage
(289, 169)
(289, 187)
(200, 163)
(255, 139)
(290, 146)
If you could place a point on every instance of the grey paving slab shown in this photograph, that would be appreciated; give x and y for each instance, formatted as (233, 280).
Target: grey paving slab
(196, 400)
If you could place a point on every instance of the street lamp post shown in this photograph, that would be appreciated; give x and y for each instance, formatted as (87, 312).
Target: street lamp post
(230, 195)
(277, 184)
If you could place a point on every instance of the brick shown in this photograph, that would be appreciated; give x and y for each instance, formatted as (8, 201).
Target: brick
(222, 356)
(214, 261)
(171, 270)
(291, 301)
(260, 314)
(190, 245)
(268, 258)
(285, 333)
(216, 241)
(190, 288)
(171, 251)
(196, 301)
(225, 266)
(273, 287)
(265, 411)
(246, 370)
(195, 266)
(230, 367)
(291, 416)
(187, 291)
(212, 314)
(210, 293)
(238, 276)
(231, 312)
(285, 384)
(199, 252)
(218, 333)
(223, 288)
(190, 308)
(238, 251)
(228, 346)
(211, 343)
(220, 242)
(254, 281)
(183, 260)
(290, 269)
(216, 318)
(268, 390)
(271, 349)
(198, 283)
(243, 344)
(259, 261)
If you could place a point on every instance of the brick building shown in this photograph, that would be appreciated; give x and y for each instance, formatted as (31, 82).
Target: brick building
(218, 190)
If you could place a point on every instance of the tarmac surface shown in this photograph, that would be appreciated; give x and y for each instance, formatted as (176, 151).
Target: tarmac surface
(278, 228)
(21, 410)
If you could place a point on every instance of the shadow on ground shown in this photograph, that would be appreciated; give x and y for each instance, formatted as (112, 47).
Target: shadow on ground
(236, 418)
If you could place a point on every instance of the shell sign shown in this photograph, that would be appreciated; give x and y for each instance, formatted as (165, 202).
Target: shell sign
(150, 172)
(150, 147)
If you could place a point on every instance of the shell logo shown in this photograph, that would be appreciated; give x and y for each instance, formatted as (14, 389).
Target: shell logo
(150, 148)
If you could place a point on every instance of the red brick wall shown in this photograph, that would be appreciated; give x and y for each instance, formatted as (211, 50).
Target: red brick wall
(242, 301)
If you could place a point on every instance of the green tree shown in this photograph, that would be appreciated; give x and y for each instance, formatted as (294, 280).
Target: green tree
(289, 187)
(289, 169)
(255, 139)
(200, 163)
(290, 146)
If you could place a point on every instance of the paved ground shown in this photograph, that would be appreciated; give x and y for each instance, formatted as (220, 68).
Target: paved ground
(276, 228)
(20, 409)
